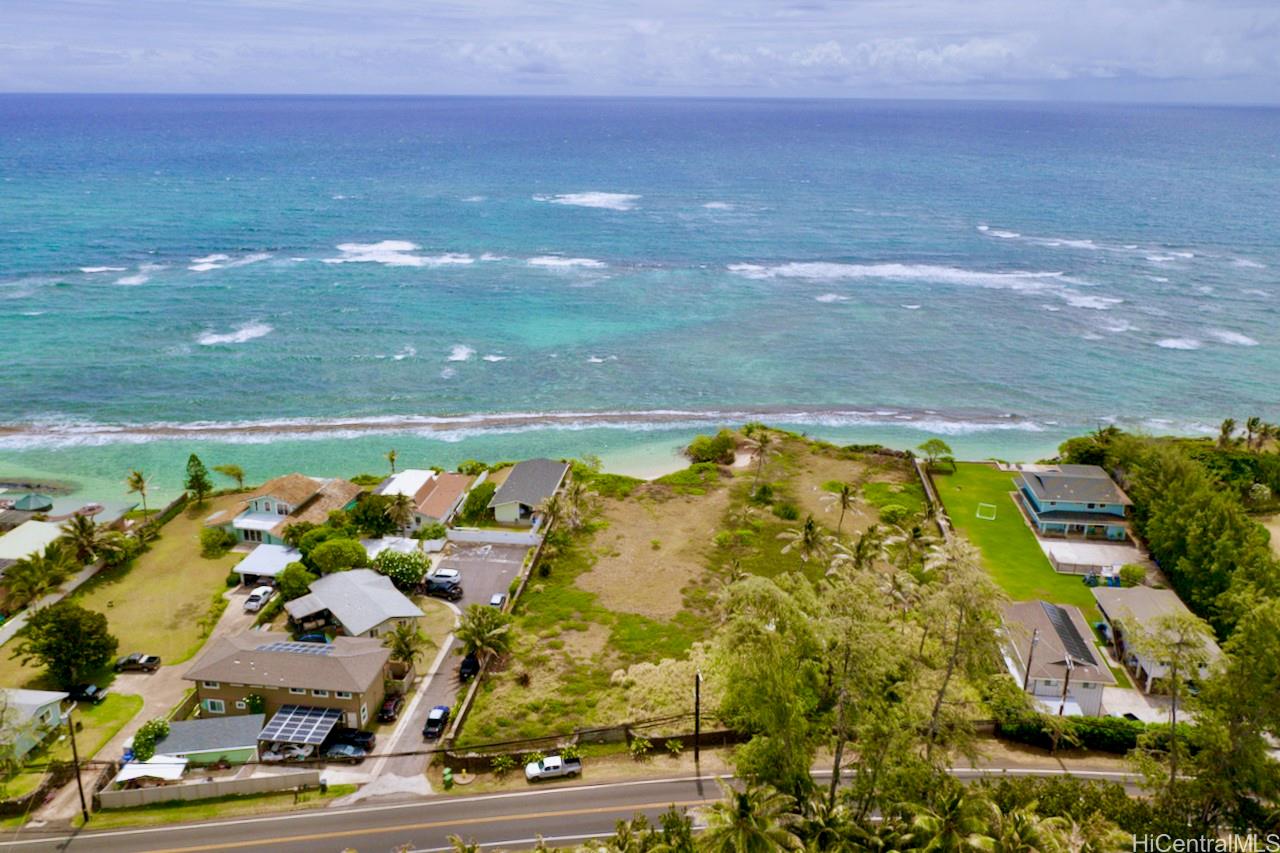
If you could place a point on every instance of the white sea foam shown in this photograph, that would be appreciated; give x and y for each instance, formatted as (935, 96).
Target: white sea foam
(395, 253)
(1248, 264)
(32, 313)
(1226, 336)
(606, 201)
(829, 271)
(557, 262)
(242, 333)
(141, 277)
(910, 307)
(718, 205)
(1054, 309)
(490, 256)
(1160, 279)
(473, 199)
(595, 359)
(492, 357)
(1161, 259)
(448, 373)
(92, 270)
(1082, 300)
(1182, 254)
(1178, 343)
(221, 261)
(1004, 235)
(1119, 326)
(405, 352)
(460, 352)
(1253, 291)
(831, 297)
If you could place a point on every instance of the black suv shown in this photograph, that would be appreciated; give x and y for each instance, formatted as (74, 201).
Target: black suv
(469, 667)
(355, 737)
(448, 589)
(90, 693)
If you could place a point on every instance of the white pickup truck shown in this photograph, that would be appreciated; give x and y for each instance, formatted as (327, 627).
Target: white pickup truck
(553, 767)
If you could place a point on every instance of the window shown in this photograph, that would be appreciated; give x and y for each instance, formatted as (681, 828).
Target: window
(281, 509)
(364, 713)
(240, 706)
(320, 693)
(252, 535)
(298, 691)
(342, 694)
(1091, 506)
(211, 685)
(215, 706)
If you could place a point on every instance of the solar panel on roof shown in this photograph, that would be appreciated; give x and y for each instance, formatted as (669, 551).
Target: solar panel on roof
(1075, 645)
(301, 724)
(297, 648)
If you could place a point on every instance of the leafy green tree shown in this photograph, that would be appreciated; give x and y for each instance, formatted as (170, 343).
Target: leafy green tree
(484, 632)
(405, 570)
(216, 541)
(67, 640)
(756, 820)
(371, 516)
(137, 484)
(935, 449)
(429, 532)
(84, 536)
(118, 549)
(407, 643)
(294, 581)
(716, 448)
(234, 472)
(336, 555)
(198, 483)
(147, 736)
(476, 506)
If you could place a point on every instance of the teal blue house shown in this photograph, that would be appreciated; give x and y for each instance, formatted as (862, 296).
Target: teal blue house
(29, 716)
(284, 501)
(1074, 500)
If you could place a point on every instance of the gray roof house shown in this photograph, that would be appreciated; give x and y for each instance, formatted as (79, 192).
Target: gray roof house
(210, 739)
(1138, 610)
(529, 484)
(1055, 643)
(30, 715)
(363, 602)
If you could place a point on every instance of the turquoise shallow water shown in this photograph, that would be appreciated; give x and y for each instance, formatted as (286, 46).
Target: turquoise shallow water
(493, 278)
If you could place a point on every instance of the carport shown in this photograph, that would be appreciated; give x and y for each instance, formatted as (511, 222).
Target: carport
(301, 725)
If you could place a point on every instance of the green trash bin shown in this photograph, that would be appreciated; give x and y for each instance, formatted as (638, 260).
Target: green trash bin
(448, 778)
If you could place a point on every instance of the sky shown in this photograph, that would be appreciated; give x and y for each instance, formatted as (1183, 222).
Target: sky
(1210, 51)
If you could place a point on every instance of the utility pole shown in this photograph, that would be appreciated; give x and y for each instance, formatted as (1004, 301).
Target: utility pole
(697, 715)
(1066, 683)
(75, 757)
(1035, 641)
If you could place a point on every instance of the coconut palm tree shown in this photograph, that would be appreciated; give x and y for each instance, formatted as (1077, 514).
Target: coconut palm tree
(910, 544)
(136, 482)
(846, 497)
(484, 632)
(235, 472)
(956, 822)
(757, 820)
(37, 574)
(576, 496)
(809, 540)
(762, 443)
(552, 508)
(391, 458)
(400, 510)
(1024, 831)
(1227, 433)
(407, 643)
(1254, 430)
(83, 536)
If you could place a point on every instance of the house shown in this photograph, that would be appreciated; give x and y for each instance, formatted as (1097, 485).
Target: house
(284, 501)
(436, 496)
(528, 485)
(210, 740)
(1048, 648)
(29, 716)
(345, 676)
(265, 562)
(1067, 500)
(1136, 610)
(362, 602)
(27, 538)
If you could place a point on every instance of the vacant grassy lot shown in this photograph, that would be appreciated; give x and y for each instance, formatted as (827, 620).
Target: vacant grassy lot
(101, 722)
(1009, 548)
(219, 807)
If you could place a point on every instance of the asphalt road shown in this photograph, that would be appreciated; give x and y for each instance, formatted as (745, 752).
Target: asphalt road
(563, 814)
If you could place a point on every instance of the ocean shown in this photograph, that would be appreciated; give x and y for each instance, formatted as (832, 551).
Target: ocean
(300, 283)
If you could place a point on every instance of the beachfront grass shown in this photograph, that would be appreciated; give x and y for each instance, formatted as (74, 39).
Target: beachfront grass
(1009, 549)
(100, 723)
(218, 807)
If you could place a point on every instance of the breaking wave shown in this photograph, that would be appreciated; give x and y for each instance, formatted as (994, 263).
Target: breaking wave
(241, 334)
(606, 201)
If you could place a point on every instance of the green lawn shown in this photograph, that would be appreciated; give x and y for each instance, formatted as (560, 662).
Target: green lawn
(1009, 548)
(218, 807)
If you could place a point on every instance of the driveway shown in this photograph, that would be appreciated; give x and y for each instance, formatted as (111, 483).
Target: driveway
(161, 691)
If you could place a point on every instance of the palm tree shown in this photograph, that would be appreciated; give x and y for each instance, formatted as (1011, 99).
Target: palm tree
(761, 442)
(137, 484)
(845, 498)
(956, 822)
(484, 632)
(1024, 831)
(391, 457)
(809, 539)
(84, 536)
(551, 509)
(576, 495)
(37, 574)
(235, 472)
(407, 643)
(757, 820)
(1226, 433)
(1254, 430)
(400, 510)
(910, 544)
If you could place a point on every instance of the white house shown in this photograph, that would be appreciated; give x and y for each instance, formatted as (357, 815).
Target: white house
(528, 485)
(27, 538)
(1047, 648)
(361, 601)
(1138, 609)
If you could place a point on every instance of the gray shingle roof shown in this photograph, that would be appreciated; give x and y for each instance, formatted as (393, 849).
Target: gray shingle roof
(360, 599)
(1075, 483)
(530, 482)
(204, 735)
(352, 664)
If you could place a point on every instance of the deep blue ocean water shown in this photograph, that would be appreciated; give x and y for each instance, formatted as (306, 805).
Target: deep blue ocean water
(415, 270)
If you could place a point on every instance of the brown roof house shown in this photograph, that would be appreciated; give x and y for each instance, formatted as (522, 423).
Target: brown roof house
(283, 501)
(1049, 650)
(436, 496)
(344, 680)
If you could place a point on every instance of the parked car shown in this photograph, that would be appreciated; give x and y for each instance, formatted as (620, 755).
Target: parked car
(445, 575)
(138, 662)
(447, 589)
(552, 767)
(314, 637)
(288, 752)
(469, 667)
(355, 737)
(498, 599)
(91, 693)
(258, 599)
(437, 719)
(390, 710)
(350, 753)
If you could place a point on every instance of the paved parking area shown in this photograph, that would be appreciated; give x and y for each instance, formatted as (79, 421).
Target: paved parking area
(485, 569)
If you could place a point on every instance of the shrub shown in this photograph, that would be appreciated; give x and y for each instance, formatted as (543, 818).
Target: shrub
(786, 511)
(675, 746)
(338, 554)
(214, 542)
(232, 579)
(523, 678)
(763, 495)
(294, 581)
(405, 570)
(1131, 574)
(655, 544)
(502, 764)
(255, 703)
(640, 748)
(144, 741)
(723, 539)
(544, 569)
(435, 530)
(476, 506)
(716, 448)
(571, 752)
(892, 513)
(472, 468)
(533, 757)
